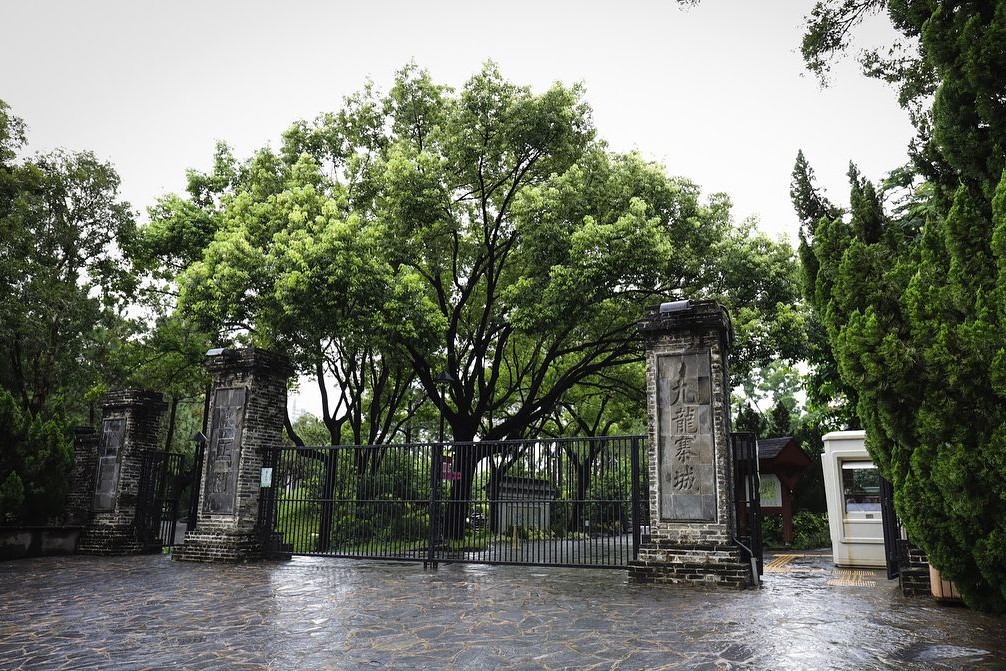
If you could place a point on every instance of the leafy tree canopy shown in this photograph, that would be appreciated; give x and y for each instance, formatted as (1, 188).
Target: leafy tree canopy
(485, 233)
(911, 287)
(62, 284)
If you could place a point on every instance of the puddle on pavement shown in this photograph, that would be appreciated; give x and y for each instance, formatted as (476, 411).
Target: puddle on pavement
(921, 652)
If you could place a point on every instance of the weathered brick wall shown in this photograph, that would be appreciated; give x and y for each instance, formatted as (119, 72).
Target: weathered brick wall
(701, 553)
(914, 571)
(85, 458)
(723, 528)
(263, 375)
(114, 531)
(698, 565)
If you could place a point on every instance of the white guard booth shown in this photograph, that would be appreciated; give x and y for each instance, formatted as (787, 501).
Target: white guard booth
(852, 486)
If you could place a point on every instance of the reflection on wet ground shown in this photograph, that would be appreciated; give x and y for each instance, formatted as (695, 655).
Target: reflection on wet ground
(152, 613)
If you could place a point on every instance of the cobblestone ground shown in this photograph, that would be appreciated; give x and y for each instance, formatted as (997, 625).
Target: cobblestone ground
(152, 613)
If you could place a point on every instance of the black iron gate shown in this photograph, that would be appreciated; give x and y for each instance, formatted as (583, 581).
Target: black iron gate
(894, 533)
(163, 496)
(560, 502)
(748, 498)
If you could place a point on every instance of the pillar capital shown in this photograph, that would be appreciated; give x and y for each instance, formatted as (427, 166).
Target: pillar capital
(685, 316)
(133, 398)
(221, 360)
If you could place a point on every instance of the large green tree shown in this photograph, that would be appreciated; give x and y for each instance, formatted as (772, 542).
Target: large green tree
(61, 291)
(486, 234)
(913, 295)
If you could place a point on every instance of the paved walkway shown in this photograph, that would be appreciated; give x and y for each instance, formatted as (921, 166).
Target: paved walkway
(152, 613)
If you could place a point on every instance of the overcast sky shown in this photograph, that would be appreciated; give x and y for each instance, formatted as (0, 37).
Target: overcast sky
(717, 92)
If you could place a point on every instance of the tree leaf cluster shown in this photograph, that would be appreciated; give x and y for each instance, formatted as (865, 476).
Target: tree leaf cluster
(486, 233)
(910, 288)
(62, 287)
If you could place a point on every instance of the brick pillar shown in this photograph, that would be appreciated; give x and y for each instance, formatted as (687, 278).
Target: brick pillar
(692, 517)
(247, 410)
(85, 459)
(913, 571)
(130, 425)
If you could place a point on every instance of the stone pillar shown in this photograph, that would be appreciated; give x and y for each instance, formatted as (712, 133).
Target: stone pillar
(130, 425)
(692, 517)
(85, 458)
(247, 410)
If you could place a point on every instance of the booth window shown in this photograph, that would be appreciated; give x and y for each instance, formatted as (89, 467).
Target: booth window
(861, 489)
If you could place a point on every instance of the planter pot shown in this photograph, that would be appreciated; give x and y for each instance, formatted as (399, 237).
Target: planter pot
(943, 590)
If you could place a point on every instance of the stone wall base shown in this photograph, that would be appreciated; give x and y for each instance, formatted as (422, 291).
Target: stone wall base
(219, 546)
(913, 573)
(37, 541)
(116, 540)
(718, 566)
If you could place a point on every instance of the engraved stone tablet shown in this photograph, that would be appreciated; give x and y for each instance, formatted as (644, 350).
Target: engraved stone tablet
(113, 433)
(685, 436)
(224, 452)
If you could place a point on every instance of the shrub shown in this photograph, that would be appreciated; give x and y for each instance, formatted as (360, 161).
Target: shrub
(810, 530)
(35, 458)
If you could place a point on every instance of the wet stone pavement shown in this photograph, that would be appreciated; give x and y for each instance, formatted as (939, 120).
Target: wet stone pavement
(152, 613)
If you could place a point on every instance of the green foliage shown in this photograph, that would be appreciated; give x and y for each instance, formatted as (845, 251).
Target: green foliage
(749, 420)
(35, 463)
(809, 493)
(771, 531)
(912, 299)
(773, 387)
(519, 250)
(311, 430)
(62, 288)
(61, 281)
(810, 531)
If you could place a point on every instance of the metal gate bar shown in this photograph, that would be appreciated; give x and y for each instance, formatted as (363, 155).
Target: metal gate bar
(557, 502)
(748, 497)
(162, 478)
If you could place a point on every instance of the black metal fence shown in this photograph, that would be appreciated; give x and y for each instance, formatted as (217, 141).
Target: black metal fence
(562, 502)
(164, 480)
(747, 498)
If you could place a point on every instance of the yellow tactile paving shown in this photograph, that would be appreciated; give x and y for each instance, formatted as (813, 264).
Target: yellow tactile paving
(778, 563)
(853, 578)
(781, 564)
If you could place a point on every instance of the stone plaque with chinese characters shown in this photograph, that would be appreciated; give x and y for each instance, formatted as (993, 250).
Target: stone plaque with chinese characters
(685, 434)
(113, 434)
(224, 452)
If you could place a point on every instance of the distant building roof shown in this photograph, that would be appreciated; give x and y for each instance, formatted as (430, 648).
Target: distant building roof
(507, 486)
(769, 448)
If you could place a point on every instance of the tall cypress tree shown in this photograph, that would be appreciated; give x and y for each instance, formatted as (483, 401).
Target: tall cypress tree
(914, 301)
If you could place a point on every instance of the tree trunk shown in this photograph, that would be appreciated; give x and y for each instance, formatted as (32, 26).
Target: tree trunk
(172, 416)
(466, 460)
(576, 518)
(331, 466)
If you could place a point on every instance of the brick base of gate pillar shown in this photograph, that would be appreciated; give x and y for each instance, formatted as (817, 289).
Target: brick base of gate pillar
(913, 574)
(219, 546)
(131, 421)
(692, 515)
(247, 410)
(697, 565)
(114, 541)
